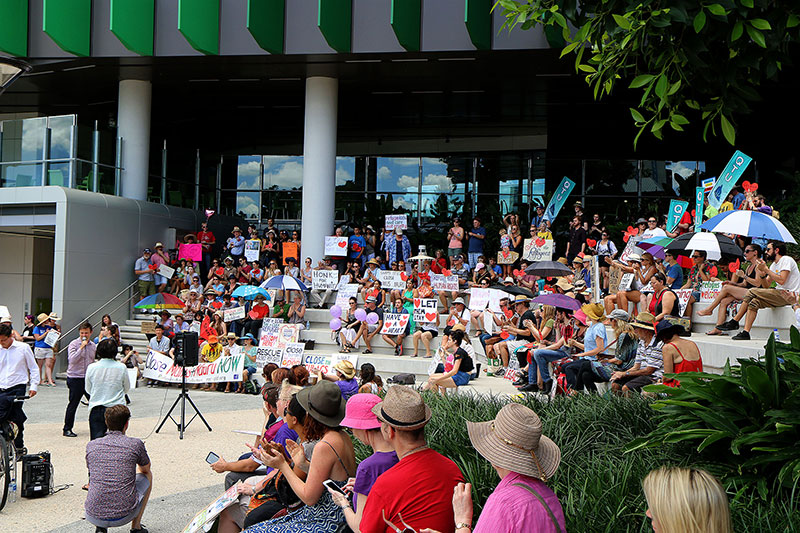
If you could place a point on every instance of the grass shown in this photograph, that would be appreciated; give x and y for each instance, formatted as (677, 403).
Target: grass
(598, 485)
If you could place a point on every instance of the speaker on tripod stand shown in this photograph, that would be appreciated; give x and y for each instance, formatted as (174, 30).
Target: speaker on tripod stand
(186, 354)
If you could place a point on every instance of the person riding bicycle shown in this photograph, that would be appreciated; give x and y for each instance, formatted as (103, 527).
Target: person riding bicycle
(17, 369)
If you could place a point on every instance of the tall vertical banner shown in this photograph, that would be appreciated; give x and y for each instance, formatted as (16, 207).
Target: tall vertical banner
(698, 210)
(558, 199)
(730, 175)
(596, 279)
(676, 210)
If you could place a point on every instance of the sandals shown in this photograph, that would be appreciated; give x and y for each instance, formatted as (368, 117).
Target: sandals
(345, 350)
(715, 332)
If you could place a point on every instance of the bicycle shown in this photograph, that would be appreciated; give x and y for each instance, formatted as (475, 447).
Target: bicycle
(8, 456)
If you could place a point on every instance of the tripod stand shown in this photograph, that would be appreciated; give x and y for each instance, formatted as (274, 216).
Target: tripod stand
(182, 397)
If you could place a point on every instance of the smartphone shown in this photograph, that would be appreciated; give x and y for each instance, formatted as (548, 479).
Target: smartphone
(212, 458)
(329, 483)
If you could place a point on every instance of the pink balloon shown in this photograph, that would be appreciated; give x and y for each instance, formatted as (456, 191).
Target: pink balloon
(361, 315)
(336, 312)
(372, 318)
(335, 324)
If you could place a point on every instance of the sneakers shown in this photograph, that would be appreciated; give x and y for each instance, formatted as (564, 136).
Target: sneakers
(530, 387)
(730, 325)
(741, 336)
(499, 372)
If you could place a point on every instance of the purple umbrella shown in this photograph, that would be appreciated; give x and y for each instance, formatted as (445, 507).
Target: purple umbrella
(557, 300)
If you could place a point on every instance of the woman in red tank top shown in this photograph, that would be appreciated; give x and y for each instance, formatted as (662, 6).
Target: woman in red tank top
(680, 355)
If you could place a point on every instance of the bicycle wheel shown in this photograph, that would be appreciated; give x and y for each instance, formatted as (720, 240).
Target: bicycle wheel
(5, 469)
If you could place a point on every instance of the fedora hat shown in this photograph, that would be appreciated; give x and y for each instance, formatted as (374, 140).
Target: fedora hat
(323, 402)
(402, 408)
(346, 368)
(41, 318)
(235, 229)
(644, 320)
(373, 262)
(459, 300)
(634, 257)
(595, 312)
(514, 441)
(521, 298)
(577, 260)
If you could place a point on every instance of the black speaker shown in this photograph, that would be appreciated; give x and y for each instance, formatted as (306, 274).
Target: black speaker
(186, 348)
(37, 475)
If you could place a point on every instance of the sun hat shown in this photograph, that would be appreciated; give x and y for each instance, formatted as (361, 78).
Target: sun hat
(250, 336)
(641, 220)
(580, 285)
(373, 261)
(371, 299)
(402, 408)
(459, 300)
(509, 279)
(346, 368)
(398, 231)
(231, 335)
(564, 285)
(41, 318)
(6, 319)
(587, 258)
(323, 402)
(562, 260)
(594, 312)
(235, 229)
(358, 412)
(213, 339)
(666, 329)
(521, 298)
(158, 245)
(644, 320)
(634, 257)
(580, 316)
(619, 314)
(577, 260)
(578, 203)
(514, 441)
(458, 327)
(219, 312)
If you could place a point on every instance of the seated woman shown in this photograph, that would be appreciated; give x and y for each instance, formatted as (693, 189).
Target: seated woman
(297, 311)
(734, 290)
(476, 315)
(456, 369)
(643, 268)
(663, 301)
(377, 291)
(350, 325)
(333, 458)
(367, 429)
(697, 275)
(549, 352)
(250, 350)
(426, 332)
(546, 335)
(345, 378)
(625, 342)
(680, 355)
(370, 381)
(396, 341)
(594, 344)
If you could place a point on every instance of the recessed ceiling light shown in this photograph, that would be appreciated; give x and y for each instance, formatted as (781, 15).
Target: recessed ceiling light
(244, 79)
(363, 61)
(284, 79)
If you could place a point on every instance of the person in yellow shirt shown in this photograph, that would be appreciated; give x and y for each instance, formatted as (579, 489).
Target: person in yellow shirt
(727, 205)
(210, 353)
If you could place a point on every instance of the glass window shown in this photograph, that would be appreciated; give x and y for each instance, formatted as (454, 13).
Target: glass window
(350, 173)
(395, 174)
(58, 174)
(248, 172)
(23, 140)
(283, 172)
(61, 136)
(670, 177)
(353, 206)
(247, 205)
(611, 177)
(21, 175)
(284, 205)
(441, 207)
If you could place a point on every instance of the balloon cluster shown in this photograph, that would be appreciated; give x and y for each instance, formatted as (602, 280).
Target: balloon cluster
(360, 314)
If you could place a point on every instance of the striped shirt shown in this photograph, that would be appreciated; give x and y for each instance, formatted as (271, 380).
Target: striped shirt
(650, 356)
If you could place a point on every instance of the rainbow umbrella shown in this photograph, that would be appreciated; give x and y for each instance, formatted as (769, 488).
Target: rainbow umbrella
(162, 300)
(655, 245)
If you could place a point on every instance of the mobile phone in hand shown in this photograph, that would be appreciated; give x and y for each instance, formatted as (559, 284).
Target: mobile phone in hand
(330, 484)
(212, 458)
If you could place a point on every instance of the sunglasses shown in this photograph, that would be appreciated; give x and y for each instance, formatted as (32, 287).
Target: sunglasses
(696, 257)
(652, 221)
(748, 251)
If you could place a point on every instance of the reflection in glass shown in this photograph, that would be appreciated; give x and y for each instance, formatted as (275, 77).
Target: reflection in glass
(283, 172)
(610, 177)
(441, 207)
(346, 175)
(21, 175)
(247, 205)
(58, 174)
(248, 172)
(397, 174)
(23, 140)
(61, 136)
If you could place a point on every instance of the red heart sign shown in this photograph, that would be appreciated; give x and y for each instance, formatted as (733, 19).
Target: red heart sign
(754, 187)
(153, 267)
(505, 253)
(430, 317)
(503, 334)
(733, 267)
(518, 273)
(446, 272)
(403, 276)
(389, 324)
(416, 302)
(220, 272)
(581, 254)
(693, 214)
(635, 231)
(216, 305)
(630, 230)
(451, 322)
(342, 244)
(539, 241)
(591, 242)
(356, 247)
(712, 272)
(253, 315)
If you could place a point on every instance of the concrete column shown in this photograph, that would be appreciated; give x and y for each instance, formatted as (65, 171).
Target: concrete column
(133, 126)
(319, 164)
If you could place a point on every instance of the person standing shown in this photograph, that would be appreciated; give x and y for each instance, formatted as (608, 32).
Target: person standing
(144, 274)
(476, 238)
(106, 384)
(17, 369)
(356, 243)
(236, 245)
(577, 238)
(160, 258)
(207, 240)
(454, 237)
(42, 351)
(80, 354)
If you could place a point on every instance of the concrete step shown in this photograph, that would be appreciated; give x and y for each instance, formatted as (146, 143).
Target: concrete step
(780, 318)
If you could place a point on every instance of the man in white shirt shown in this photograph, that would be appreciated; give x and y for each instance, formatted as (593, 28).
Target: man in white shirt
(17, 369)
(160, 343)
(784, 273)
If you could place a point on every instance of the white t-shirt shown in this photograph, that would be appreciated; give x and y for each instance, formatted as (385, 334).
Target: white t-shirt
(793, 281)
(655, 232)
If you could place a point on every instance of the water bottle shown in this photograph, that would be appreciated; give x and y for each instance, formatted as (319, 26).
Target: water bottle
(777, 335)
(12, 488)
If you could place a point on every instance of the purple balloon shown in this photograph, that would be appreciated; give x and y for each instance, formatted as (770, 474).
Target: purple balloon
(335, 324)
(361, 314)
(372, 318)
(336, 312)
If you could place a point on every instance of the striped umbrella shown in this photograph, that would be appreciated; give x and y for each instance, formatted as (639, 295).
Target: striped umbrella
(249, 292)
(162, 300)
(713, 244)
(284, 283)
(749, 224)
(655, 245)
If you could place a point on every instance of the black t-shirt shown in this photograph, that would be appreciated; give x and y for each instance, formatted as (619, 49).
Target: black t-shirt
(466, 360)
(577, 237)
(527, 315)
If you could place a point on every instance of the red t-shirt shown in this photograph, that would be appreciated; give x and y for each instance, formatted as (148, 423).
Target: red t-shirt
(420, 488)
(259, 311)
(685, 219)
(205, 237)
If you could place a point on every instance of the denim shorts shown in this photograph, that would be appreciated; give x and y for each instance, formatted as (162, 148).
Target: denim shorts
(251, 370)
(696, 295)
(461, 378)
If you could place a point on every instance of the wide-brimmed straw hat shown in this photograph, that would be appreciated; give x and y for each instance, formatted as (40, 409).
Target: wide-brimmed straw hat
(403, 408)
(564, 285)
(644, 320)
(346, 368)
(41, 318)
(514, 441)
(373, 262)
(595, 312)
(323, 402)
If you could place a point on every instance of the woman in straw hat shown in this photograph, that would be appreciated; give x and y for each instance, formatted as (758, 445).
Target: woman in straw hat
(595, 340)
(643, 269)
(625, 344)
(333, 458)
(524, 459)
(686, 500)
(345, 378)
(42, 351)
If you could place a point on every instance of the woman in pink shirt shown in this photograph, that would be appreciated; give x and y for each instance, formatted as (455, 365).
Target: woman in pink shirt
(455, 235)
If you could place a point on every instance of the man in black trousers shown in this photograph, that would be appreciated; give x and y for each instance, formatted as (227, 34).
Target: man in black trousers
(80, 354)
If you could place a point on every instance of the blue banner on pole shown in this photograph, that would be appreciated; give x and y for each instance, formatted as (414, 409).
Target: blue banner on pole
(676, 210)
(733, 171)
(698, 211)
(558, 199)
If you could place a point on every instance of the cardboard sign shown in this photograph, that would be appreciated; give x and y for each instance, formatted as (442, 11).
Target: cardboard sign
(193, 252)
(507, 257)
(336, 246)
(435, 361)
(148, 327)
(323, 280)
(537, 249)
(161, 367)
(252, 249)
(394, 323)
(626, 281)
(728, 178)
(290, 250)
(709, 291)
(391, 279)
(396, 221)
(683, 298)
(293, 354)
(52, 337)
(440, 282)
(346, 291)
(425, 310)
(167, 272)
(338, 357)
(478, 298)
(210, 513)
(229, 315)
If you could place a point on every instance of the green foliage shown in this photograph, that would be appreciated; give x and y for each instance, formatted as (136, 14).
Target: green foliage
(686, 58)
(745, 423)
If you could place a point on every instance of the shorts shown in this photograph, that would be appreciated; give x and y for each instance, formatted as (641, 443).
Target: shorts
(696, 296)
(142, 485)
(635, 383)
(251, 370)
(160, 280)
(43, 353)
(434, 332)
(461, 378)
(514, 345)
(371, 327)
(452, 252)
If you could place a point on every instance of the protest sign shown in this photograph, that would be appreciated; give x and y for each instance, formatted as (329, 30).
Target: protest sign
(728, 178)
(148, 327)
(345, 292)
(708, 184)
(210, 513)
(133, 376)
(488, 322)
(676, 210)
(478, 298)
(630, 248)
(440, 282)
(193, 252)
(194, 326)
(558, 199)
(167, 272)
(336, 246)
(323, 280)
(425, 310)
(268, 349)
(698, 210)
(252, 248)
(229, 315)
(339, 357)
(537, 250)
(396, 221)
(507, 257)
(52, 337)
(595, 272)
(626, 281)
(292, 354)
(290, 250)
(318, 363)
(709, 290)
(395, 323)
(495, 295)
(683, 298)
(392, 279)
(161, 367)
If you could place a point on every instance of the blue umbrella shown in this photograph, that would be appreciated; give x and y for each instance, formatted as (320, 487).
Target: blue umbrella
(749, 224)
(285, 283)
(249, 292)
